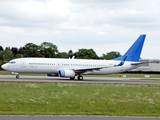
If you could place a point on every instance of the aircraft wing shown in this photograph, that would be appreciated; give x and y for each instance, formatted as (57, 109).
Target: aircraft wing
(98, 68)
(88, 69)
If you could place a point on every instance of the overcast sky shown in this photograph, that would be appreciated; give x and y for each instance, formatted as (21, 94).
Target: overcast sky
(103, 25)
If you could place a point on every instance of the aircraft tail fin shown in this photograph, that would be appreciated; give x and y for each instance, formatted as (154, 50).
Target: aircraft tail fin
(134, 52)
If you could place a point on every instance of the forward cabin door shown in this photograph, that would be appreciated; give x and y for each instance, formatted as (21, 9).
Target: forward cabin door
(23, 65)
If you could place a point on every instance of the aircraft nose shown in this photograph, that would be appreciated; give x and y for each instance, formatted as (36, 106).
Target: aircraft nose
(5, 66)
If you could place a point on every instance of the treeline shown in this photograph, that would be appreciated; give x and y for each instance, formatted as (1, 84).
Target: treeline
(49, 50)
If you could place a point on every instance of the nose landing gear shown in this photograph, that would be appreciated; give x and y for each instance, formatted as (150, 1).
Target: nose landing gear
(17, 74)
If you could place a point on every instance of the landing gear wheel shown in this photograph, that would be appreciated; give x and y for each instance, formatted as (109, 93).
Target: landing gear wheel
(80, 77)
(17, 76)
(72, 78)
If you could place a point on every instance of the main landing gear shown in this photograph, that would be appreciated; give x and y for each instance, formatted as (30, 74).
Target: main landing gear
(80, 77)
(17, 76)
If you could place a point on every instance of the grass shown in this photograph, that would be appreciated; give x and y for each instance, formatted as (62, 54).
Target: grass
(79, 99)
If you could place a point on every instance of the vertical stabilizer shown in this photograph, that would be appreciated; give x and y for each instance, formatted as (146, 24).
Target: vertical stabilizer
(134, 52)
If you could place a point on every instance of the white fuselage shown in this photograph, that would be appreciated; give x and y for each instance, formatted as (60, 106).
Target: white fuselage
(52, 66)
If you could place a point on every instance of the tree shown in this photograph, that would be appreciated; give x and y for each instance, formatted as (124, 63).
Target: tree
(1, 48)
(6, 55)
(31, 50)
(7, 48)
(21, 49)
(111, 55)
(18, 55)
(1, 55)
(62, 55)
(48, 50)
(70, 54)
(86, 54)
(14, 51)
(75, 54)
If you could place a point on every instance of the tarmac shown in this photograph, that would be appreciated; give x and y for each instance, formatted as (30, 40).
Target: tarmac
(86, 80)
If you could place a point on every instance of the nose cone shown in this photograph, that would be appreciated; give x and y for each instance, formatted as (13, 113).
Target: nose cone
(5, 66)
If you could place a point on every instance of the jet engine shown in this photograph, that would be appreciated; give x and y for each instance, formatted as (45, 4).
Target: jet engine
(66, 73)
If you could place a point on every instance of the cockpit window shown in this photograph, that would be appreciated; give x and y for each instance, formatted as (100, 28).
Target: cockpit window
(12, 62)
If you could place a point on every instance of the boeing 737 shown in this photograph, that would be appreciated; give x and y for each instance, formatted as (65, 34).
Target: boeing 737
(78, 67)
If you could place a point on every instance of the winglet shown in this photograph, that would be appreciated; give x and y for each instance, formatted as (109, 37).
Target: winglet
(122, 62)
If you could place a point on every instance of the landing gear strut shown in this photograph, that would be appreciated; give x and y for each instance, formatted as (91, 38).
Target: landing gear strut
(17, 74)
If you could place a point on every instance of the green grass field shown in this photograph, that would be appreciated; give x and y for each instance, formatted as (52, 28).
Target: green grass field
(79, 99)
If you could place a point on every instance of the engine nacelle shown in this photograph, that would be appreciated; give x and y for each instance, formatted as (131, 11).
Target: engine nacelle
(66, 73)
(52, 75)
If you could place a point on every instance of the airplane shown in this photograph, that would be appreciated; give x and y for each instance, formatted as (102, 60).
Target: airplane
(70, 68)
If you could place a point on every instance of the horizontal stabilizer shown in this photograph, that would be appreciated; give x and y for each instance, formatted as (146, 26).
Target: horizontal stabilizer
(139, 63)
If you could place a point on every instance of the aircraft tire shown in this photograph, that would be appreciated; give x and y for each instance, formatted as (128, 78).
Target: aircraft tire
(80, 77)
(17, 76)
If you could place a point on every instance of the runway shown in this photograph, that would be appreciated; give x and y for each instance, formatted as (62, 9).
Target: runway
(86, 80)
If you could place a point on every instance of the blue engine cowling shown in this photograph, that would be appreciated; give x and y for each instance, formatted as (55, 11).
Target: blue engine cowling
(66, 73)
